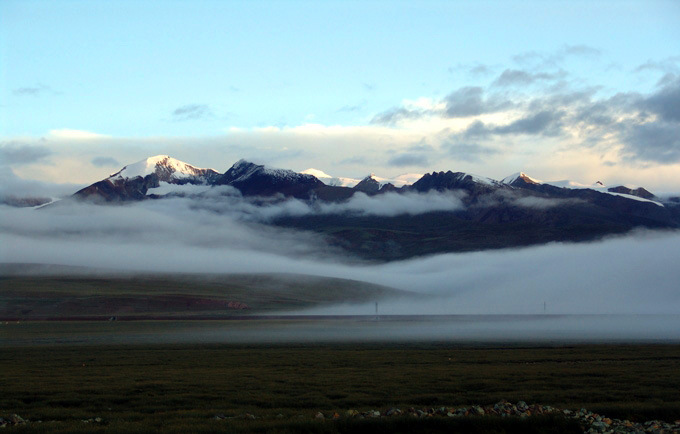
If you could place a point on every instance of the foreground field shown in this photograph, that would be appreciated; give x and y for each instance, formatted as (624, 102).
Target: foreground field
(181, 388)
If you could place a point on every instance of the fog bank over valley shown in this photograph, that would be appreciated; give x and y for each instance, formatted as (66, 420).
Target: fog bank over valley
(633, 274)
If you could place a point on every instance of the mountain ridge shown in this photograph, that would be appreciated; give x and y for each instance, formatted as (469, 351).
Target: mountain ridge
(133, 181)
(375, 220)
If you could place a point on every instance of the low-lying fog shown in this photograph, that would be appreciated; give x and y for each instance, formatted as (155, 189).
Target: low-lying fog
(635, 274)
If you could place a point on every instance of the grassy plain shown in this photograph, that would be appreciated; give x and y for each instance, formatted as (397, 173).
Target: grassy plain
(157, 376)
(180, 388)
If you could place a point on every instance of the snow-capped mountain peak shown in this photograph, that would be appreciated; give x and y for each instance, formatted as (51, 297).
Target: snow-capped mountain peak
(520, 176)
(165, 167)
(162, 175)
(320, 174)
(242, 170)
(368, 185)
(372, 178)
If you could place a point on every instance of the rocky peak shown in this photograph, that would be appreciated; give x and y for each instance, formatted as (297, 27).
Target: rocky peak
(240, 171)
(368, 185)
(442, 181)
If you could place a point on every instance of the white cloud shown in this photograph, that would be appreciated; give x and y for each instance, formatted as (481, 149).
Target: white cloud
(392, 204)
(70, 134)
(634, 274)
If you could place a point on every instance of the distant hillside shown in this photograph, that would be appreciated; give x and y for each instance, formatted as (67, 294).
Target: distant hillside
(31, 291)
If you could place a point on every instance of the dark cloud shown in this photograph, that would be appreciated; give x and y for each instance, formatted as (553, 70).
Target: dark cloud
(563, 98)
(477, 129)
(597, 115)
(17, 154)
(464, 102)
(518, 77)
(666, 102)
(192, 112)
(547, 123)
(105, 162)
(647, 125)
(470, 101)
(409, 159)
(651, 132)
(653, 141)
(548, 115)
(396, 114)
(669, 64)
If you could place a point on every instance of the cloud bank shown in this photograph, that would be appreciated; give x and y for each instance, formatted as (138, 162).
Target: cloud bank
(637, 274)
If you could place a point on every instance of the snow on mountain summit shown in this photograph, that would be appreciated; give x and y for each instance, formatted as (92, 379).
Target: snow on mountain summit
(165, 167)
(330, 179)
(520, 175)
(399, 181)
(316, 172)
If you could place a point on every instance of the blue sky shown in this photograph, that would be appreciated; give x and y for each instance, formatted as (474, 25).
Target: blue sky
(348, 87)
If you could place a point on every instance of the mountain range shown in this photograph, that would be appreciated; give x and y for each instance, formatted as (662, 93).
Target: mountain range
(515, 211)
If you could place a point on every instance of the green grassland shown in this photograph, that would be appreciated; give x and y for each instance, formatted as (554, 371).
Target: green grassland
(180, 388)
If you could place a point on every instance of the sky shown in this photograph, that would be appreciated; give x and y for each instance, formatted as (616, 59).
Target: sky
(580, 90)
